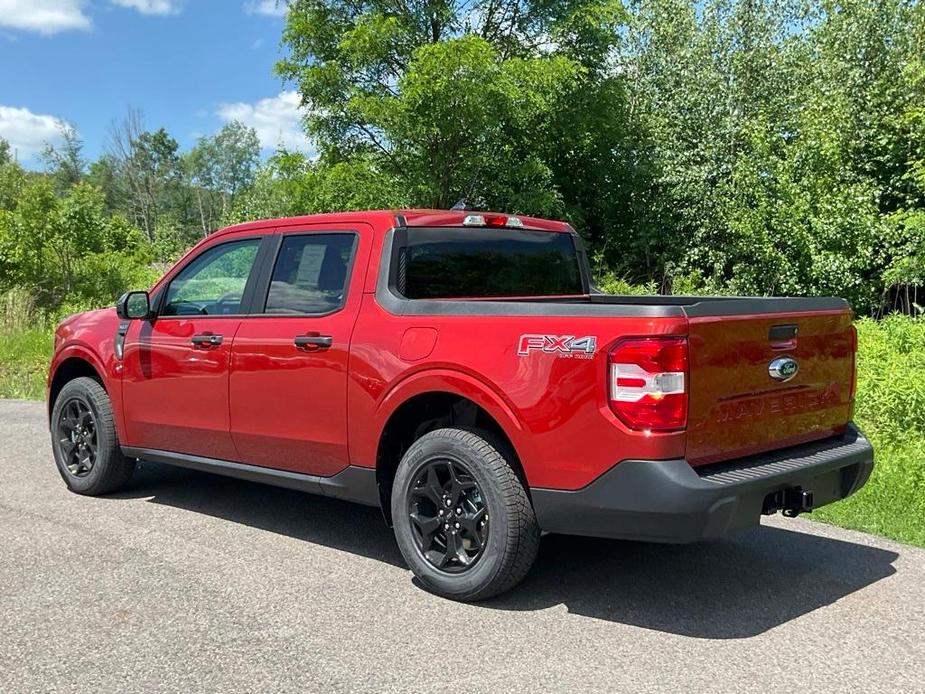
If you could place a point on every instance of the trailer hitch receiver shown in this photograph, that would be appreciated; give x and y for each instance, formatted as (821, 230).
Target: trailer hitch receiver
(791, 502)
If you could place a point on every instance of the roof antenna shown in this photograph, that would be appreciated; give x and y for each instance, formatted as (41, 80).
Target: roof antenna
(461, 205)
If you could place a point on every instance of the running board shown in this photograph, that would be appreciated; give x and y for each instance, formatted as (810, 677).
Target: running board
(353, 483)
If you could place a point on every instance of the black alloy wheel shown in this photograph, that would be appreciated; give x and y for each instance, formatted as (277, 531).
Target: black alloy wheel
(77, 437)
(449, 519)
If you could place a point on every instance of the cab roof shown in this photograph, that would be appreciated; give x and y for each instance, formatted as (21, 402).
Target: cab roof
(383, 219)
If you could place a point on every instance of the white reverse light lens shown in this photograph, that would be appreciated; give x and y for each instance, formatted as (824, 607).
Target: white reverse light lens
(631, 383)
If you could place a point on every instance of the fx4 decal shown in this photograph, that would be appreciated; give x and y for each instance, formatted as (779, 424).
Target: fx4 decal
(560, 345)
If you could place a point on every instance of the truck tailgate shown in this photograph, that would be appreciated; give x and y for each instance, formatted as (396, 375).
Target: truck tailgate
(740, 404)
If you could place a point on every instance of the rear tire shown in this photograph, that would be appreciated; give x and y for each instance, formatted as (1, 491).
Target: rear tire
(462, 518)
(84, 441)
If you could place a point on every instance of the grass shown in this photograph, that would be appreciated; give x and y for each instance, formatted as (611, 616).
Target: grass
(24, 357)
(892, 503)
(890, 410)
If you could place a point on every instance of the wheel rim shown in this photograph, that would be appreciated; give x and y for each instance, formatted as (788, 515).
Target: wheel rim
(77, 437)
(449, 518)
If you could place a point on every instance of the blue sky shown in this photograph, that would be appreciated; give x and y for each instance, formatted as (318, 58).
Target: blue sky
(188, 65)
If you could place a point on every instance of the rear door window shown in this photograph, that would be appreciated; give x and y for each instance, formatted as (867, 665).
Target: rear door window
(310, 274)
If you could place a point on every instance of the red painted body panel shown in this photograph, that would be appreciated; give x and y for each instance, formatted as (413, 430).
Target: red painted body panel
(289, 407)
(259, 400)
(175, 395)
(91, 337)
(556, 408)
(736, 410)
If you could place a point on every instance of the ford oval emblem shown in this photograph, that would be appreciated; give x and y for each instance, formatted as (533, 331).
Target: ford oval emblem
(783, 369)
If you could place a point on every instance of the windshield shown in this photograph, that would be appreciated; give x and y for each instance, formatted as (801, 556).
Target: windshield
(449, 263)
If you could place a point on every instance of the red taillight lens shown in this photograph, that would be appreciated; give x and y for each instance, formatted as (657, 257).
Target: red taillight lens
(648, 382)
(854, 370)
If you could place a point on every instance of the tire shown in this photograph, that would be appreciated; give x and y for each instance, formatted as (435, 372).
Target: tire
(84, 400)
(489, 559)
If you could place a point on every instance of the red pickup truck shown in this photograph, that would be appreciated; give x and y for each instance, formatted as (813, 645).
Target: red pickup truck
(460, 371)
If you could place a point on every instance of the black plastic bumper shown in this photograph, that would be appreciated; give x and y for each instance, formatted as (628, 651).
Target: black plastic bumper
(669, 501)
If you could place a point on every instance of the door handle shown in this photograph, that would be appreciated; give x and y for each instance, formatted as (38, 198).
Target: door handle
(206, 340)
(313, 342)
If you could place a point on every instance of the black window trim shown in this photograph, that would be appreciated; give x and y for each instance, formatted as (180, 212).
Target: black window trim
(262, 284)
(247, 297)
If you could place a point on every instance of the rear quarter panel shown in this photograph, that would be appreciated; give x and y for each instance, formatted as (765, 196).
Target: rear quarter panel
(553, 408)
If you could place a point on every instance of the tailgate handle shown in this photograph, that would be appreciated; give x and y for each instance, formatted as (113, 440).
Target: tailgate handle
(783, 333)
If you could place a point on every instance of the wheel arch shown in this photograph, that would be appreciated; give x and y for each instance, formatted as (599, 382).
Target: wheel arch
(434, 402)
(68, 367)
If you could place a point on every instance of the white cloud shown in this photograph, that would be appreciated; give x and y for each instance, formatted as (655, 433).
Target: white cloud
(43, 16)
(277, 120)
(151, 6)
(28, 132)
(268, 8)
(54, 16)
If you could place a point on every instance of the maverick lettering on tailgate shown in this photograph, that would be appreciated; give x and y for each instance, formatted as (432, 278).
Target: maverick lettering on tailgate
(802, 400)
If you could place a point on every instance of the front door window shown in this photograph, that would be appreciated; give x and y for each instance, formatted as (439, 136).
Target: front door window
(212, 284)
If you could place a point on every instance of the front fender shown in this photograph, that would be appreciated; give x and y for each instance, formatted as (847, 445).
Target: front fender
(93, 345)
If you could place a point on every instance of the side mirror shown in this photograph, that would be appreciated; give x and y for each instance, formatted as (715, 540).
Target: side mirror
(134, 305)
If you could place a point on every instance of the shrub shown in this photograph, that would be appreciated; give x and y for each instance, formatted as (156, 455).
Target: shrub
(891, 412)
(891, 375)
(611, 284)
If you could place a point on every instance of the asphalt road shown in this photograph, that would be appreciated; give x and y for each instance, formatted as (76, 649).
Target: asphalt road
(190, 582)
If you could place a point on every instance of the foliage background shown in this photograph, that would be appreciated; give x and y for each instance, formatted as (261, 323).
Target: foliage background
(728, 146)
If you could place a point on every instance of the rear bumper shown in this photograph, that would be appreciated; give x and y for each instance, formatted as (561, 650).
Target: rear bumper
(669, 501)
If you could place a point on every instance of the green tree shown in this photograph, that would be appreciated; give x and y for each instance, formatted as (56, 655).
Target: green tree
(221, 167)
(774, 135)
(469, 124)
(65, 248)
(292, 184)
(103, 173)
(453, 100)
(65, 162)
(904, 278)
(147, 172)
(11, 178)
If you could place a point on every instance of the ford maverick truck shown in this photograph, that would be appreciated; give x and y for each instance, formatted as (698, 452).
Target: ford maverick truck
(459, 371)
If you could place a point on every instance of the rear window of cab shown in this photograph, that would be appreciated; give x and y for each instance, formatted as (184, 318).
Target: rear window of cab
(453, 263)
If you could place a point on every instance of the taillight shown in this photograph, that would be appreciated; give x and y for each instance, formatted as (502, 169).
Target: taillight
(648, 382)
(852, 391)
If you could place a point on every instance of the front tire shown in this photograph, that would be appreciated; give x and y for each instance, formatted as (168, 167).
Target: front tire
(462, 518)
(83, 438)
